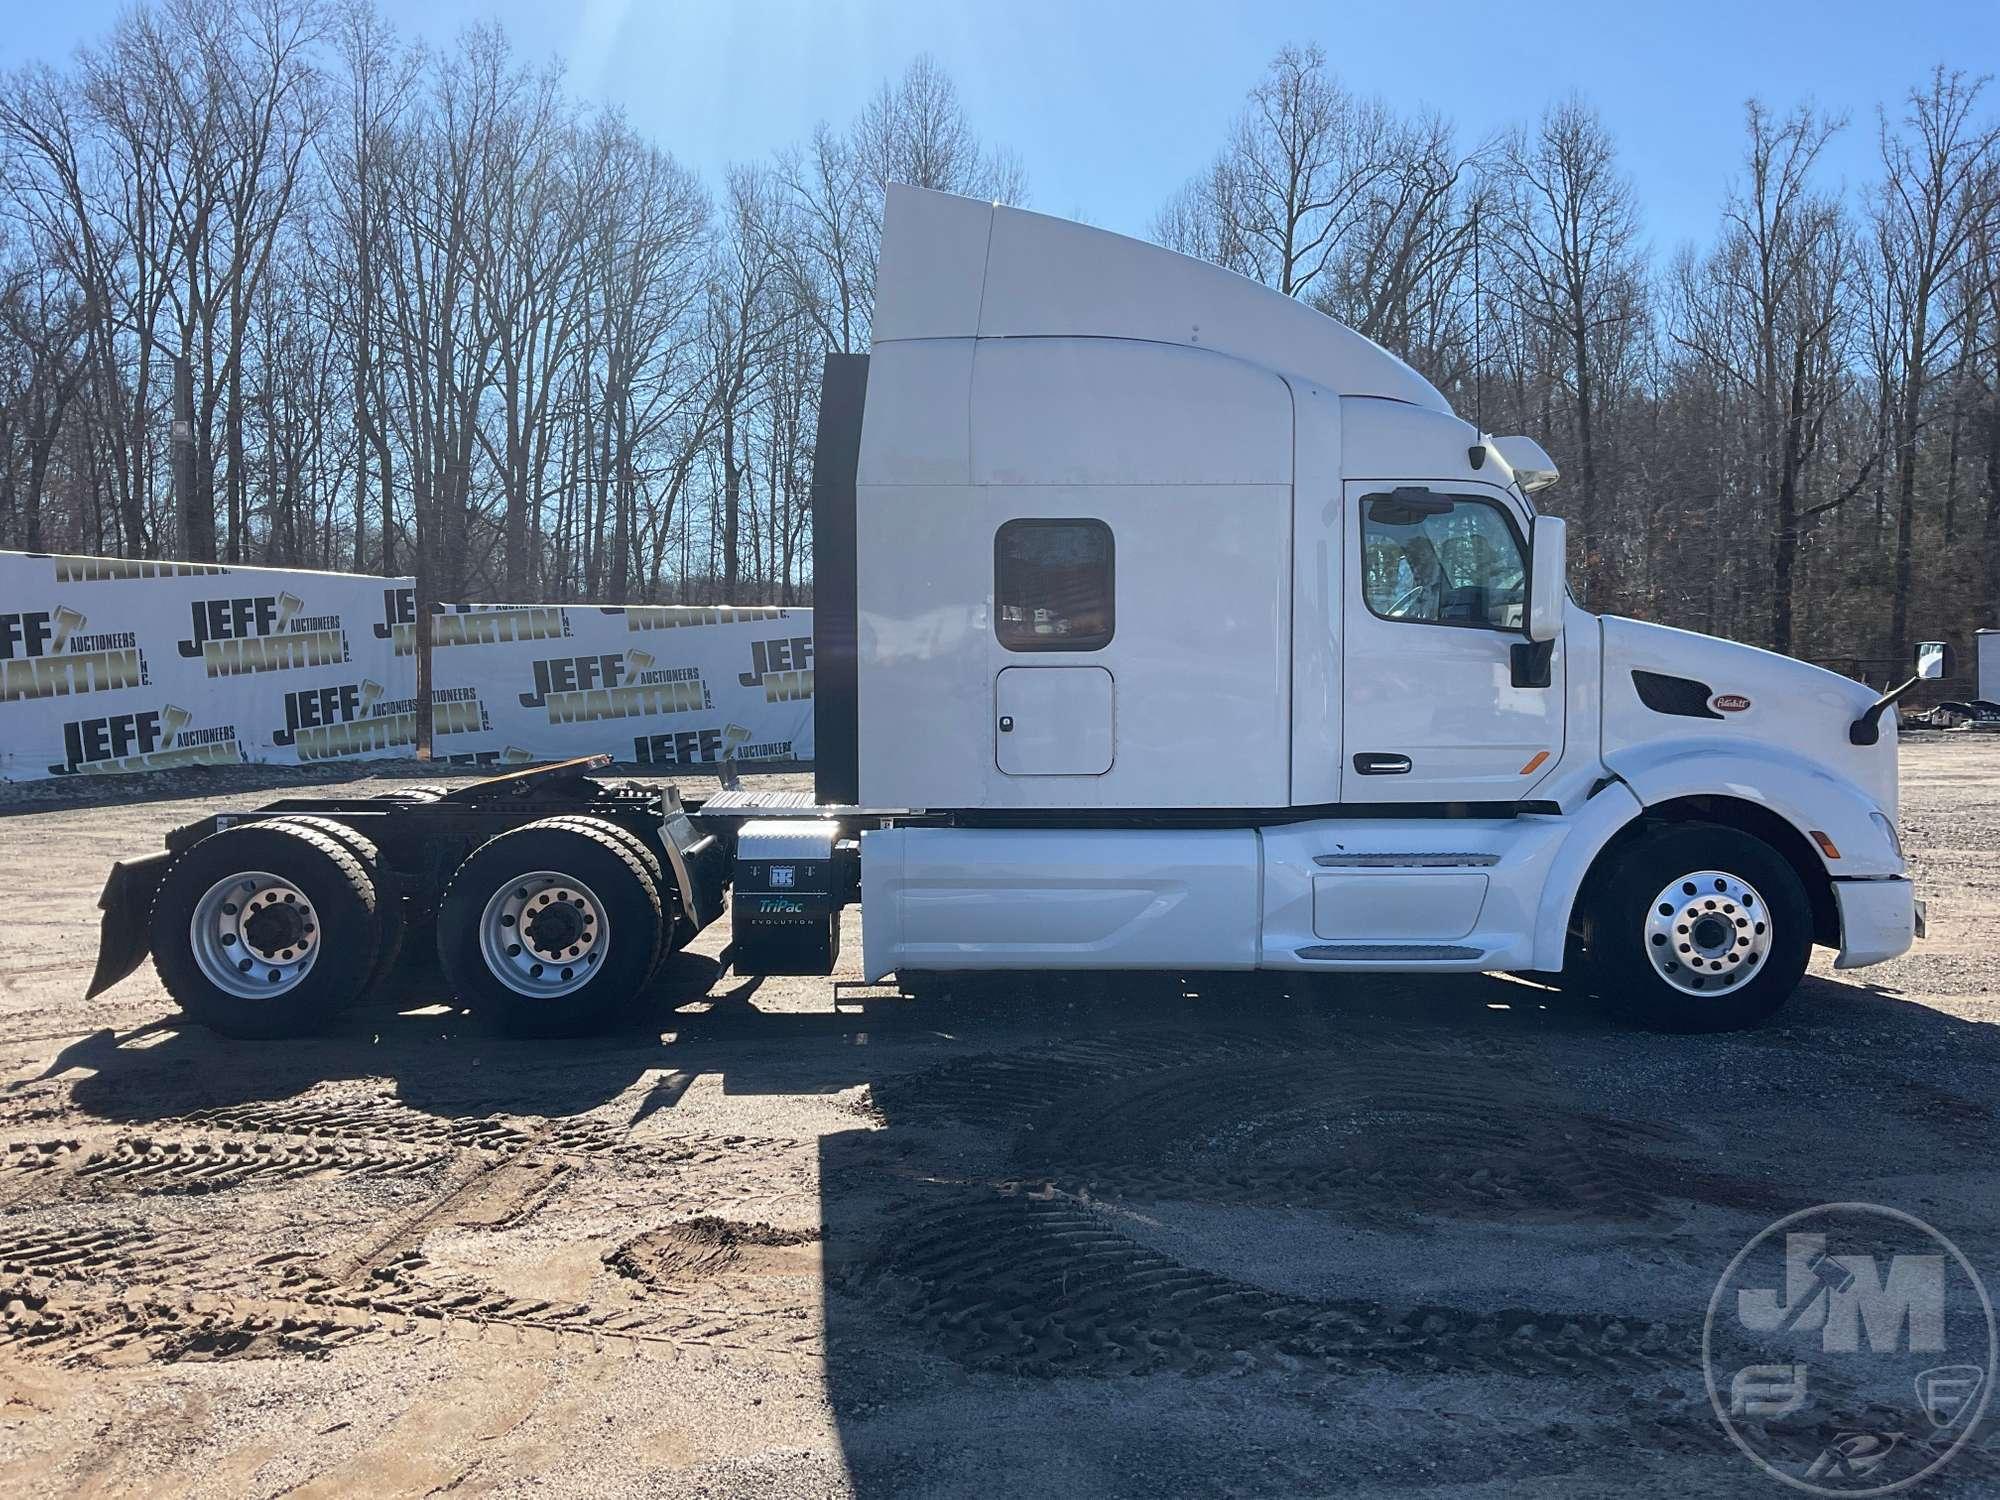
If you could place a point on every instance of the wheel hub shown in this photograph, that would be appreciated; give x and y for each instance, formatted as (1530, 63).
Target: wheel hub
(1707, 931)
(273, 926)
(254, 934)
(557, 927)
(544, 934)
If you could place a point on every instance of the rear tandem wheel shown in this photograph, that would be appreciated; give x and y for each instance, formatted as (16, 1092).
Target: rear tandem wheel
(551, 927)
(265, 929)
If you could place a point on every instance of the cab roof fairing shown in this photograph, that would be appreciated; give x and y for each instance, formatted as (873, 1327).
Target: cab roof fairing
(954, 268)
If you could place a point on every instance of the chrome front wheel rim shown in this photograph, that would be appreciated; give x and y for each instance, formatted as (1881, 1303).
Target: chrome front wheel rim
(254, 935)
(1708, 932)
(544, 934)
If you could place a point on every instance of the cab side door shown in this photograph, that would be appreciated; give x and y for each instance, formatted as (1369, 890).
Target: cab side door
(1435, 705)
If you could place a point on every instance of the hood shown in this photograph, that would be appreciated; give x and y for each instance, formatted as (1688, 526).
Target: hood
(1667, 684)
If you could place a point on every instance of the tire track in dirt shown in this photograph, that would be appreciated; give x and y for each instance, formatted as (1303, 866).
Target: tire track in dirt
(1043, 1286)
(396, 1124)
(154, 1164)
(114, 1292)
(97, 1294)
(216, 1149)
(1023, 1276)
(1378, 1136)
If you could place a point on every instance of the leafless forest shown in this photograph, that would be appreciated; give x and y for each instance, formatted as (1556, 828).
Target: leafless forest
(422, 308)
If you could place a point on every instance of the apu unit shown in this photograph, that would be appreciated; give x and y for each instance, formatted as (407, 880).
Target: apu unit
(792, 878)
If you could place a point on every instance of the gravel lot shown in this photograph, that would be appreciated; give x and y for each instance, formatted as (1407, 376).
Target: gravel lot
(1202, 1235)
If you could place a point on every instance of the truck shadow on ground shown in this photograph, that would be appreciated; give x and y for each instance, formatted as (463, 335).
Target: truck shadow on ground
(697, 1015)
(698, 1018)
(1097, 1230)
(1401, 1234)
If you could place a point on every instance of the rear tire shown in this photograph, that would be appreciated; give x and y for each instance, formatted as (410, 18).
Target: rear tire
(227, 910)
(663, 882)
(388, 899)
(550, 927)
(1699, 928)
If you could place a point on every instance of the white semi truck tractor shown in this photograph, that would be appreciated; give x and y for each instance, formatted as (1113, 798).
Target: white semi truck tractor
(1162, 623)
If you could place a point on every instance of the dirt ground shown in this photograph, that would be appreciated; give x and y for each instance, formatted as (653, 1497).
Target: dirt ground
(1196, 1235)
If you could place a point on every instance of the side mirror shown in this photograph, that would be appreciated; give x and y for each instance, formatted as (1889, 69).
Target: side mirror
(1548, 577)
(1935, 659)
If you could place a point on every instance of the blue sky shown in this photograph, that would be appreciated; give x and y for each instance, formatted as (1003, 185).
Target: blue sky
(1112, 105)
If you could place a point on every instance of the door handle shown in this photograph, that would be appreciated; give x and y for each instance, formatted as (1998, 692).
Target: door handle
(1370, 764)
(1006, 723)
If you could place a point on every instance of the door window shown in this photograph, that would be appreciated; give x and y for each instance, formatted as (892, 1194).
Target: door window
(1442, 560)
(1052, 585)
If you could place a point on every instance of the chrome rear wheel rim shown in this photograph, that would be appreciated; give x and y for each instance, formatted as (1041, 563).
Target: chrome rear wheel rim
(544, 934)
(1708, 932)
(254, 935)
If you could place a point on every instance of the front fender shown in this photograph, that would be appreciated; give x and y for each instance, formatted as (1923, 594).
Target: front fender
(1806, 795)
(1595, 824)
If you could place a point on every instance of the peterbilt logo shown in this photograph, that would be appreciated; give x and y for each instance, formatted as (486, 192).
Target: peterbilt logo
(1729, 703)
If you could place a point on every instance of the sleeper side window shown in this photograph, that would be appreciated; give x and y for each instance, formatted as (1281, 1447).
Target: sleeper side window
(1442, 560)
(1052, 585)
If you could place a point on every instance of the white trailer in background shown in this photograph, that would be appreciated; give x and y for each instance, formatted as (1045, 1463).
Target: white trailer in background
(1164, 623)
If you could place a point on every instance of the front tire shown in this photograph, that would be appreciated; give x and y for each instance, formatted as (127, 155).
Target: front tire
(1699, 928)
(550, 928)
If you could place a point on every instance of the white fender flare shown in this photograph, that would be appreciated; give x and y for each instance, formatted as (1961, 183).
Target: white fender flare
(1596, 823)
(1803, 793)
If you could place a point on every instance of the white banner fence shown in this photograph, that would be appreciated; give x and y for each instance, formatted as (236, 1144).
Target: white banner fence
(115, 665)
(667, 684)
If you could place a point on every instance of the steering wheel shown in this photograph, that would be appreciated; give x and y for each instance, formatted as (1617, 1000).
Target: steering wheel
(1409, 596)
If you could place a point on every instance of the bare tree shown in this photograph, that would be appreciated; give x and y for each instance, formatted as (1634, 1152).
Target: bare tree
(43, 327)
(1936, 194)
(745, 321)
(378, 81)
(1768, 312)
(1567, 249)
(829, 243)
(1295, 180)
(533, 208)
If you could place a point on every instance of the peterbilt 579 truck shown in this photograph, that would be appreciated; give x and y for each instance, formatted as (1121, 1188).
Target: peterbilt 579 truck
(1162, 623)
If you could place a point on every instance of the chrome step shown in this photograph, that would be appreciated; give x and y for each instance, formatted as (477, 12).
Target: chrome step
(1391, 952)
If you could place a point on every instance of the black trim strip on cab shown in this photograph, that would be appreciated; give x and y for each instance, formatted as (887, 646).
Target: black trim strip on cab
(843, 394)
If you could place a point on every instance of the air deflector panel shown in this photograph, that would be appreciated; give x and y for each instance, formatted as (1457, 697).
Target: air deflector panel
(1680, 696)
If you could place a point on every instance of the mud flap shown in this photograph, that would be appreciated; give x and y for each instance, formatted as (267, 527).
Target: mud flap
(127, 903)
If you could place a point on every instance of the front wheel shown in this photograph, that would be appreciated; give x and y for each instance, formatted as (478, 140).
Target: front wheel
(1699, 928)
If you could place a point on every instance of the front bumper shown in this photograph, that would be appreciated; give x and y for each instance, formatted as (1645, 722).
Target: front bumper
(1878, 920)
